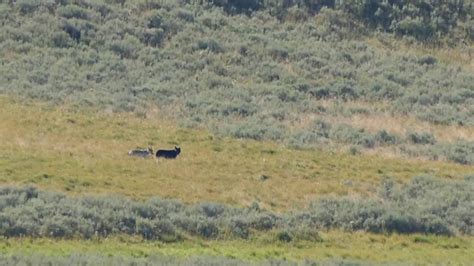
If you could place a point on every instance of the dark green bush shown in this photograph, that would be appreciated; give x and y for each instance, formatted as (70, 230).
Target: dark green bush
(459, 152)
(211, 209)
(28, 6)
(384, 137)
(317, 132)
(162, 230)
(427, 60)
(255, 128)
(305, 139)
(153, 37)
(384, 89)
(207, 229)
(469, 178)
(240, 228)
(59, 227)
(306, 233)
(421, 19)
(263, 221)
(238, 6)
(278, 53)
(420, 138)
(73, 11)
(126, 48)
(210, 45)
(61, 40)
(284, 236)
(348, 134)
(185, 15)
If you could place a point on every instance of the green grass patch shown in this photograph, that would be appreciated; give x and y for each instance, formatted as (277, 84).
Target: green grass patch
(334, 245)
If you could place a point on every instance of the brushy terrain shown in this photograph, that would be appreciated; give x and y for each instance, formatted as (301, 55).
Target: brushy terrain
(162, 232)
(84, 260)
(85, 152)
(300, 72)
(333, 132)
(425, 205)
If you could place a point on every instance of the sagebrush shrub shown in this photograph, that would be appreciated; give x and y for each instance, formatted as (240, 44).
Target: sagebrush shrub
(199, 59)
(424, 205)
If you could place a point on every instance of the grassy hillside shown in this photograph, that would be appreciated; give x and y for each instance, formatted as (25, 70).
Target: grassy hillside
(310, 130)
(61, 148)
(313, 81)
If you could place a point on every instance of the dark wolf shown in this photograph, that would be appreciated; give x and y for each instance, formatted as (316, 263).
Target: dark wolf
(168, 154)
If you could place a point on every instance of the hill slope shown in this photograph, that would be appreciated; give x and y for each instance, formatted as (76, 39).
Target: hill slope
(64, 149)
(295, 118)
(300, 82)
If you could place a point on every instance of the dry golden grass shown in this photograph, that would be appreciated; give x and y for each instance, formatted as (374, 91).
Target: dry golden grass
(60, 148)
(402, 124)
(381, 118)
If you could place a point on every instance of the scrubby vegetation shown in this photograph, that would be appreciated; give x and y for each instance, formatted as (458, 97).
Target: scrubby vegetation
(425, 205)
(332, 80)
(250, 69)
(83, 260)
(425, 20)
